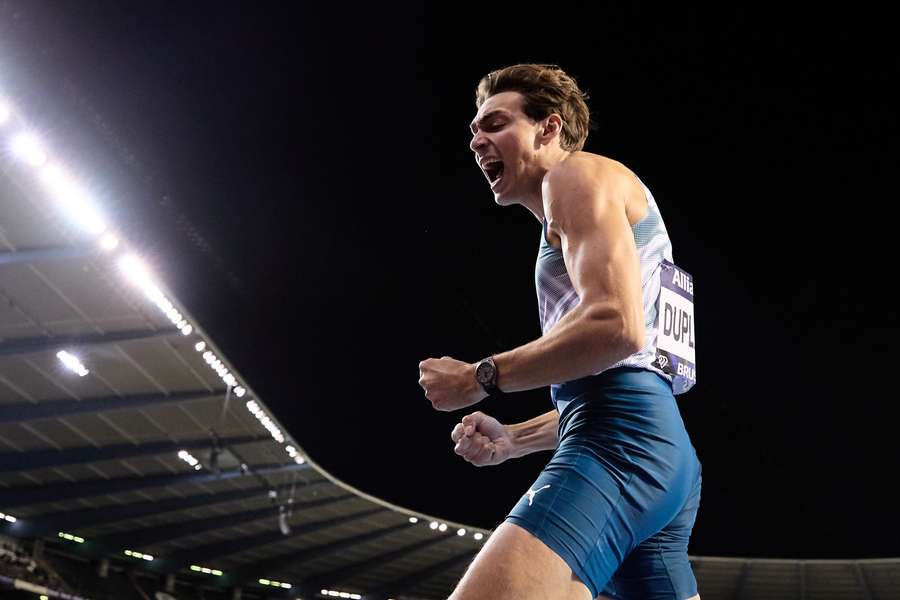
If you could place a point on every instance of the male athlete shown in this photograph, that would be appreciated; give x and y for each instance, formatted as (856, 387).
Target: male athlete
(611, 514)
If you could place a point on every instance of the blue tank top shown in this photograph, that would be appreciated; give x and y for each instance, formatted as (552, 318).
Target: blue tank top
(556, 296)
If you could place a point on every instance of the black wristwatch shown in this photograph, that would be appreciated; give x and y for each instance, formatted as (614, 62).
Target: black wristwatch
(486, 375)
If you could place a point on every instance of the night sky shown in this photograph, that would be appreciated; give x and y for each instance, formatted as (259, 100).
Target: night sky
(299, 176)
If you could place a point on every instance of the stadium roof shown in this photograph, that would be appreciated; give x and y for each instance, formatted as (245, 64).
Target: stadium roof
(118, 427)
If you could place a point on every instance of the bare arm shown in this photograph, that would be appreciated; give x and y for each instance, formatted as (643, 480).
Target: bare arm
(587, 210)
(585, 206)
(534, 435)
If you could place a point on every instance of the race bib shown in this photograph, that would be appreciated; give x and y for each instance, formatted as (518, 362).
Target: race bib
(675, 342)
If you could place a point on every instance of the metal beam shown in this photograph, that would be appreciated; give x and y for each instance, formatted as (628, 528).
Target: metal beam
(43, 344)
(40, 494)
(209, 552)
(42, 524)
(274, 567)
(345, 573)
(26, 411)
(742, 579)
(407, 583)
(50, 253)
(23, 461)
(143, 538)
(863, 582)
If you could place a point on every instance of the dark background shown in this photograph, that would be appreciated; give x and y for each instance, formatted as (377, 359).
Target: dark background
(299, 176)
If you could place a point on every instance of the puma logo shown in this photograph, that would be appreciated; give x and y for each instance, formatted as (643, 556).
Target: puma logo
(531, 493)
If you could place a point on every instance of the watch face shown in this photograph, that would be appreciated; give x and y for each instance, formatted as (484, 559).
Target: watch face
(484, 372)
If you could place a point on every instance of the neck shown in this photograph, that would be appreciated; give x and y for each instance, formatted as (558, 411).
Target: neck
(534, 199)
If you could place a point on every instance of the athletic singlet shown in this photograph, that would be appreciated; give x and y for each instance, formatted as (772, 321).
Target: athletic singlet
(556, 296)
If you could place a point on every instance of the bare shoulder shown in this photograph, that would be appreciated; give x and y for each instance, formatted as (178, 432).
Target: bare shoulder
(578, 183)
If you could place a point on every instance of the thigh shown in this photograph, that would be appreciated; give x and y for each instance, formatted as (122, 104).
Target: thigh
(576, 507)
(515, 565)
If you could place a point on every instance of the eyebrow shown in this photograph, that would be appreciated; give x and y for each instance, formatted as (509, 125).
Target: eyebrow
(473, 126)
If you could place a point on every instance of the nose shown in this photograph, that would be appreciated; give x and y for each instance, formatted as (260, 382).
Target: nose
(478, 141)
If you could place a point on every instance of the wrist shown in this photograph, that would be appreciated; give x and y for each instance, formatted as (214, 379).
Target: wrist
(486, 375)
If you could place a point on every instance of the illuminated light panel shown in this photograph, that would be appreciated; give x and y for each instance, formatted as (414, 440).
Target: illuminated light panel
(337, 594)
(8, 518)
(70, 537)
(73, 200)
(206, 570)
(72, 363)
(27, 147)
(278, 584)
(134, 554)
(189, 459)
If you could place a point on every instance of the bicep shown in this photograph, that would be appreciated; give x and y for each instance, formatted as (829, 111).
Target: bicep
(598, 247)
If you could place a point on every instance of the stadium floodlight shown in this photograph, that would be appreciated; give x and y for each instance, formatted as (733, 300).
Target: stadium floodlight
(442, 527)
(240, 391)
(72, 363)
(109, 242)
(433, 525)
(200, 346)
(461, 532)
(70, 537)
(28, 148)
(413, 520)
(478, 535)
(5, 111)
(135, 270)
(8, 518)
(266, 422)
(73, 199)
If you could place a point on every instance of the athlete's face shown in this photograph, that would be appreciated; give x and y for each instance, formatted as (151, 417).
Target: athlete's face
(503, 140)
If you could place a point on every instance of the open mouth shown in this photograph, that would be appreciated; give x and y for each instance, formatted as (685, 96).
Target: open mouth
(493, 169)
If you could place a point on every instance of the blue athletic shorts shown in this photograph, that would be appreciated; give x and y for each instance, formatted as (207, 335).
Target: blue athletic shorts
(618, 499)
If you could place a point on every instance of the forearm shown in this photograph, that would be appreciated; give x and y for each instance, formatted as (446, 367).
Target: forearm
(534, 435)
(585, 341)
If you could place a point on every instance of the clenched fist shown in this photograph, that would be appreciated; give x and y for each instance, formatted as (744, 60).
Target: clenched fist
(482, 440)
(449, 383)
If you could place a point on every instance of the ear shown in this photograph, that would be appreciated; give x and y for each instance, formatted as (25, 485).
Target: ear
(552, 127)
